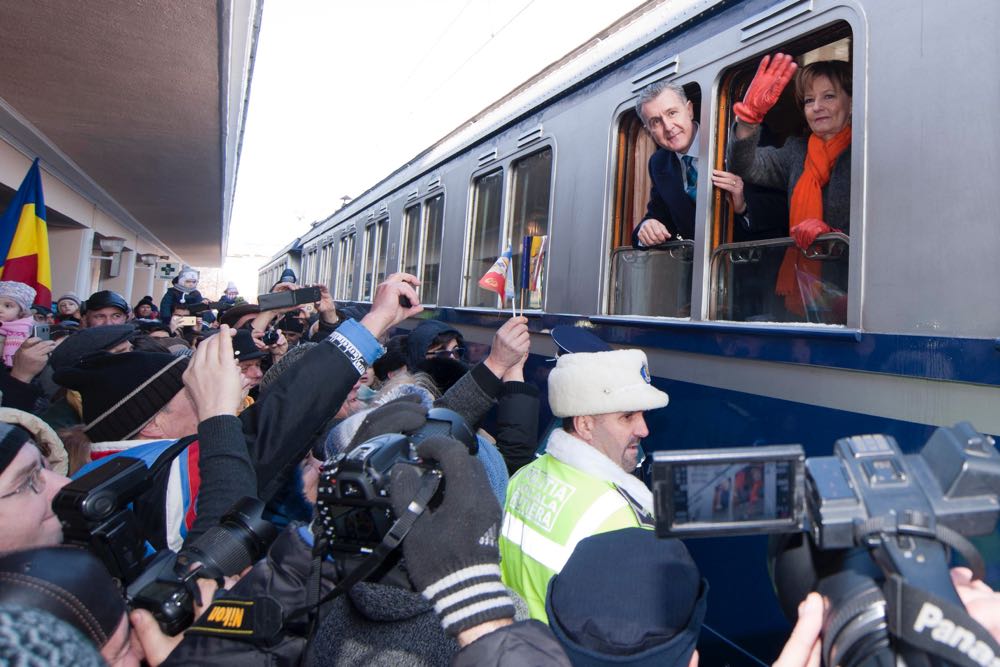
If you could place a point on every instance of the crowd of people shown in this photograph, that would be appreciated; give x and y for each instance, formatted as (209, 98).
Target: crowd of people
(505, 548)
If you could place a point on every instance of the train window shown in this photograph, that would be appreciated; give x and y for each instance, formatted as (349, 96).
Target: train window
(410, 252)
(374, 259)
(345, 267)
(758, 273)
(484, 237)
(532, 178)
(645, 282)
(382, 256)
(430, 275)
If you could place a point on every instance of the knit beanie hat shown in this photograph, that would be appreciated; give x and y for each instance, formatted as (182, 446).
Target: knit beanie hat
(67, 582)
(598, 383)
(33, 637)
(21, 294)
(121, 392)
(12, 438)
(70, 296)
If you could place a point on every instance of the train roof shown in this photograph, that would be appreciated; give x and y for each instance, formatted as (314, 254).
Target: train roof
(626, 37)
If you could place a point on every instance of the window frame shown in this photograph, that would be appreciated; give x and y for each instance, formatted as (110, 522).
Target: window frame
(527, 152)
(619, 114)
(346, 264)
(832, 23)
(380, 225)
(424, 212)
(504, 165)
(403, 247)
(488, 170)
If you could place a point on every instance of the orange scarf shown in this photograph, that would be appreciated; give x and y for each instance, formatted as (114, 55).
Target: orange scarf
(807, 202)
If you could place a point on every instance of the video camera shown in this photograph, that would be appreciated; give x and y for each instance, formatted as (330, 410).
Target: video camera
(96, 513)
(879, 526)
(354, 515)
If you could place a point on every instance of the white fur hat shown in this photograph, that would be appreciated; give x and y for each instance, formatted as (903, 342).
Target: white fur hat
(597, 383)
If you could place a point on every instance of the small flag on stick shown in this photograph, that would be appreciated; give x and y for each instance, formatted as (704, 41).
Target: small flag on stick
(500, 277)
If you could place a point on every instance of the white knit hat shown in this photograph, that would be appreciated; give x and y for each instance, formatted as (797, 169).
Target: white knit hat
(597, 383)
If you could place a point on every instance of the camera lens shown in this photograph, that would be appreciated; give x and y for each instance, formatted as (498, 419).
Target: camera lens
(240, 539)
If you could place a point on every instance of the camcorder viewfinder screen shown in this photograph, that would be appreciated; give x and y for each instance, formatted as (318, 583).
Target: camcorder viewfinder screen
(724, 493)
(716, 495)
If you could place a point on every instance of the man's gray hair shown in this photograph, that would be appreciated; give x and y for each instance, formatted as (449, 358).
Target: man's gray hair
(653, 90)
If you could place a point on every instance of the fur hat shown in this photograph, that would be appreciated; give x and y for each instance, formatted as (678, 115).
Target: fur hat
(597, 383)
(121, 392)
(45, 438)
(21, 294)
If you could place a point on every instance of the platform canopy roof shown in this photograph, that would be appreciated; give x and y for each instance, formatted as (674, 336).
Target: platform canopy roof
(138, 105)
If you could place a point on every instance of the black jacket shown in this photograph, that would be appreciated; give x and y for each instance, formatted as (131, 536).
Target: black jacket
(517, 424)
(668, 202)
(523, 644)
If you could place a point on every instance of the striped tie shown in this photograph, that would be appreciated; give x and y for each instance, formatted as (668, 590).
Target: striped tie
(690, 176)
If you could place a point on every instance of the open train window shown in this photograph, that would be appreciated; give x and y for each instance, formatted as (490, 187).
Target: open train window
(430, 272)
(484, 236)
(758, 274)
(529, 229)
(655, 282)
(345, 267)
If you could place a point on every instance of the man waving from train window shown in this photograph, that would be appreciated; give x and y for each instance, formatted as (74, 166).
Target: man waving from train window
(583, 484)
(668, 116)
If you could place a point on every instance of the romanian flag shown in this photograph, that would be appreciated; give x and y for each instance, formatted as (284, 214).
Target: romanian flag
(24, 238)
(500, 277)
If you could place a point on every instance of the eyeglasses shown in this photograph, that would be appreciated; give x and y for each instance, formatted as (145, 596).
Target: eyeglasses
(454, 353)
(34, 481)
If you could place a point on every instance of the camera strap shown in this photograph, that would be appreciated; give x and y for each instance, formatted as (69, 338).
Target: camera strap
(915, 525)
(937, 627)
(429, 483)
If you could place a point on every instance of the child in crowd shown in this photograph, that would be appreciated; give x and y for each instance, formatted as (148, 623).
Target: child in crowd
(16, 318)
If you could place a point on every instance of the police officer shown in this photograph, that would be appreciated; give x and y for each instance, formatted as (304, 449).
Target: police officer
(583, 484)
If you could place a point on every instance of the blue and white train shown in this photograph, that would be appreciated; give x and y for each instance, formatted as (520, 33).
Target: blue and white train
(564, 157)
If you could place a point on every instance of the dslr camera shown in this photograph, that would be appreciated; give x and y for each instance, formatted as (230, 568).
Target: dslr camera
(96, 512)
(870, 528)
(354, 514)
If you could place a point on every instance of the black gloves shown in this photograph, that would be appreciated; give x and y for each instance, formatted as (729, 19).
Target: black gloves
(403, 415)
(451, 552)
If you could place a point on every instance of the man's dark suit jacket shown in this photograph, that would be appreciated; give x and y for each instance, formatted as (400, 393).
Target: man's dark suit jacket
(668, 202)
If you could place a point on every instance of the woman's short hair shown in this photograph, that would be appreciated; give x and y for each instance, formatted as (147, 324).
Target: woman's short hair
(837, 71)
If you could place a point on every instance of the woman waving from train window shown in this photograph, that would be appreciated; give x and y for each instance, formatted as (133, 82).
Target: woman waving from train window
(816, 171)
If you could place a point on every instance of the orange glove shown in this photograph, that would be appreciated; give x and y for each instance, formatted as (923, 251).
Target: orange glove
(806, 231)
(765, 89)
